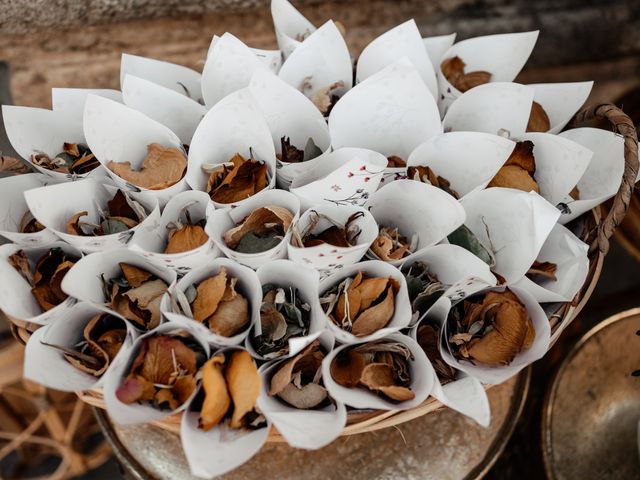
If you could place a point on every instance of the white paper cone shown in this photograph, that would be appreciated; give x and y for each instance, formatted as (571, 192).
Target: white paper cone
(248, 285)
(602, 178)
(69, 102)
(371, 268)
(285, 274)
(15, 208)
(452, 265)
(151, 240)
(271, 58)
(176, 77)
(16, 299)
(328, 258)
(416, 208)
(346, 177)
(234, 125)
(289, 114)
(47, 366)
(322, 60)
(164, 105)
(465, 394)
(391, 112)
(437, 46)
(290, 25)
(136, 413)
(54, 205)
(422, 380)
(561, 101)
(224, 220)
(560, 163)
(512, 224)
(570, 254)
(468, 160)
(84, 281)
(37, 130)
(118, 133)
(309, 429)
(401, 41)
(498, 108)
(502, 55)
(495, 375)
(222, 448)
(229, 67)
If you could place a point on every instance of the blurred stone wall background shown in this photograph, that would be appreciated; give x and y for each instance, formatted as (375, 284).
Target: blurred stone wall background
(77, 43)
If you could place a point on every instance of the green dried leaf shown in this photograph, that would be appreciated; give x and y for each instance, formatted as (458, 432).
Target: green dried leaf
(463, 237)
(110, 226)
(252, 243)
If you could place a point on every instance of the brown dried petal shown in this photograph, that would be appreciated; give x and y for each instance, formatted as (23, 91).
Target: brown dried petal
(512, 176)
(161, 168)
(538, 119)
(209, 292)
(452, 68)
(216, 400)
(245, 178)
(244, 385)
(346, 368)
(393, 161)
(135, 276)
(285, 373)
(376, 317)
(472, 79)
(379, 377)
(158, 363)
(259, 222)
(522, 156)
(370, 289)
(185, 239)
(230, 317)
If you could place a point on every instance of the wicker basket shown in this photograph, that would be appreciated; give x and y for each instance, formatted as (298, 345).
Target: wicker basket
(596, 232)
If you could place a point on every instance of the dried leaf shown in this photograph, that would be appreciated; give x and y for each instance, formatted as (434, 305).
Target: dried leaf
(216, 400)
(161, 168)
(376, 317)
(20, 262)
(393, 161)
(306, 397)
(186, 239)
(337, 234)
(230, 317)
(147, 297)
(463, 237)
(283, 376)
(209, 292)
(73, 225)
(325, 98)
(346, 368)
(290, 154)
(237, 180)
(390, 245)
(429, 339)
(497, 325)
(514, 177)
(13, 166)
(538, 119)
(453, 70)
(542, 270)
(427, 175)
(29, 224)
(263, 221)
(244, 386)
(379, 377)
(134, 276)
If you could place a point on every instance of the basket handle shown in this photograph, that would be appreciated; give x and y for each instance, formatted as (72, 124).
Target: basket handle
(622, 125)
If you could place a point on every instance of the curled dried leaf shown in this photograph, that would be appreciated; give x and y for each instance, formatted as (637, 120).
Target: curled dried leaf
(379, 377)
(492, 329)
(542, 271)
(538, 119)
(346, 368)
(29, 224)
(454, 71)
(427, 175)
(262, 230)
(429, 338)
(336, 234)
(237, 180)
(185, 239)
(244, 386)
(518, 170)
(216, 394)
(391, 245)
(325, 98)
(393, 161)
(161, 168)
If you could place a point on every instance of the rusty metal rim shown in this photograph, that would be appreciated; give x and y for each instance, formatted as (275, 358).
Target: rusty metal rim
(135, 470)
(547, 408)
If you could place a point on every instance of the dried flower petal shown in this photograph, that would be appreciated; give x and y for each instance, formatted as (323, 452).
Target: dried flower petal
(262, 222)
(244, 386)
(216, 395)
(538, 119)
(161, 168)
(237, 180)
(518, 170)
(453, 70)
